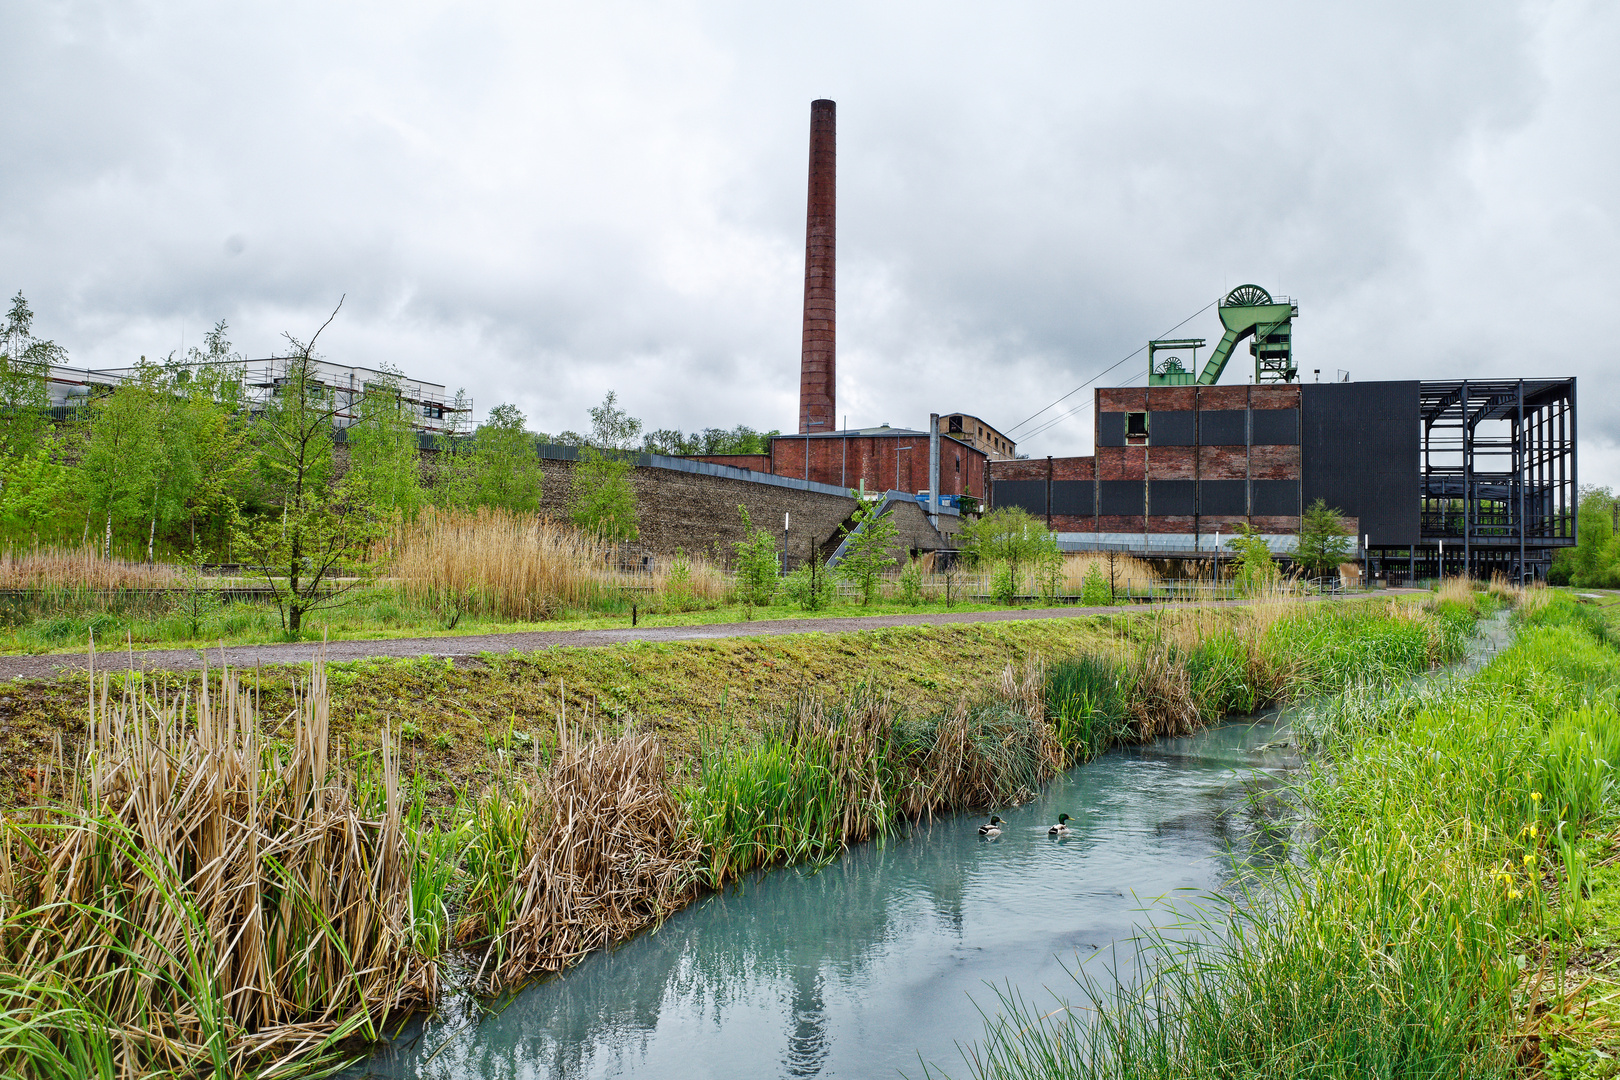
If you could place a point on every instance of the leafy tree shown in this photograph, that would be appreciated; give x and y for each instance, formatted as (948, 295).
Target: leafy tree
(1255, 567)
(25, 361)
(37, 493)
(867, 542)
(810, 586)
(498, 466)
(1012, 540)
(209, 462)
(741, 439)
(311, 545)
(125, 457)
(612, 428)
(759, 563)
(1324, 542)
(602, 500)
(1592, 563)
(1095, 590)
(383, 450)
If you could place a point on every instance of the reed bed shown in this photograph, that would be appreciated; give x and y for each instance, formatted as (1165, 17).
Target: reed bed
(1128, 572)
(80, 569)
(517, 566)
(603, 851)
(1439, 858)
(189, 899)
(526, 567)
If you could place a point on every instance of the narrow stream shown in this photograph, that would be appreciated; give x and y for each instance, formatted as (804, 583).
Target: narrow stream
(888, 953)
(853, 970)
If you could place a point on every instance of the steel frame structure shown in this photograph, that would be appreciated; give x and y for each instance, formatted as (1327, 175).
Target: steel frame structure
(1499, 480)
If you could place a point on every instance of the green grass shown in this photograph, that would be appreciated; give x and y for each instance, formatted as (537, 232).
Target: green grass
(376, 614)
(1427, 924)
(783, 767)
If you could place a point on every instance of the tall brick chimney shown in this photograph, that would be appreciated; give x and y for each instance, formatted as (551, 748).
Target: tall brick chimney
(818, 360)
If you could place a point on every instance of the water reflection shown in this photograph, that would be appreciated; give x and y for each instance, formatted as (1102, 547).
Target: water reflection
(850, 971)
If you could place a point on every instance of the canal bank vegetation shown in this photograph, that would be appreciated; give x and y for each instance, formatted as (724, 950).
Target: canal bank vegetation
(216, 883)
(1453, 907)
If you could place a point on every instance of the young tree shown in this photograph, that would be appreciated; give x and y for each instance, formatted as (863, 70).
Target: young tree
(1324, 542)
(310, 546)
(1095, 591)
(612, 428)
(1011, 540)
(497, 466)
(1255, 568)
(210, 438)
(383, 451)
(602, 500)
(25, 361)
(126, 456)
(867, 542)
(759, 563)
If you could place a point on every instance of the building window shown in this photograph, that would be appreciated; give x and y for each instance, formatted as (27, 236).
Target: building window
(956, 424)
(1136, 425)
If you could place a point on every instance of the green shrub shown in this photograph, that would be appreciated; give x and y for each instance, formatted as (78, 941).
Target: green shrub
(911, 583)
(1095, 590)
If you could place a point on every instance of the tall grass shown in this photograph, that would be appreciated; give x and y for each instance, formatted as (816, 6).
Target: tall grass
(830, 774)
(527, 567)
(194, 900)
(518, 566)
(1388, 946)
(81, 568)
(590, 854)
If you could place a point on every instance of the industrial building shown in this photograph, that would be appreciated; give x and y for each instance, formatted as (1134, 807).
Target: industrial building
(1469, 476)
(1462, 476)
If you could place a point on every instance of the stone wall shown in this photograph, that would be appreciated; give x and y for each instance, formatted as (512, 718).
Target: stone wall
(697, 513)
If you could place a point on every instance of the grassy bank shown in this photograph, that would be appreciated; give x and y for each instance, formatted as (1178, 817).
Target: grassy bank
(1451, 910)
(462, 573)
(65, 622)
(163, 908)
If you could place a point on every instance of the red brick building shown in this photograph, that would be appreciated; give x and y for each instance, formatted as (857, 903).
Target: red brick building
(1174, 461)
(879, 459)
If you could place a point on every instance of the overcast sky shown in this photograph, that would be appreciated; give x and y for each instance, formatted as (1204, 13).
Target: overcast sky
(543, 202)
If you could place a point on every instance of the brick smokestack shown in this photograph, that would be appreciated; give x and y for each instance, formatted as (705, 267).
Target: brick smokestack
(818, 360)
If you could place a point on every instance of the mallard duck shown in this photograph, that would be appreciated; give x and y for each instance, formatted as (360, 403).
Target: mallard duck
(991, 827)
(1061, 828)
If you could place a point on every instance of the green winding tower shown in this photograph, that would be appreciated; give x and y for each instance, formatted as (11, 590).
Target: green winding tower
(1248, 311)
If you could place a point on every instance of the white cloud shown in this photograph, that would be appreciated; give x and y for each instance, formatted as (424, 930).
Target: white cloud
(545, 201)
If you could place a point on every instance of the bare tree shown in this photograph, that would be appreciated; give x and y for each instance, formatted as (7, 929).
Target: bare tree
(310, 545)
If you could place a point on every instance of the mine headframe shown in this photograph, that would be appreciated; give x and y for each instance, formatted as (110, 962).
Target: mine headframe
(1247, 312)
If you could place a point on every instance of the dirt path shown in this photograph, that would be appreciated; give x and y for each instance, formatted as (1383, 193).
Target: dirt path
(473, 645)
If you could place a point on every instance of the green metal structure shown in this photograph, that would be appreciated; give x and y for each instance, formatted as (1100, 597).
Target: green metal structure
(1248, 311)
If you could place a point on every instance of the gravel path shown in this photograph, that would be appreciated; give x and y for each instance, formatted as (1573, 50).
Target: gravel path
(472, 645)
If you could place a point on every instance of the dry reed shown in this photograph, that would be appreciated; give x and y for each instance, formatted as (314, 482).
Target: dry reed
(1458, 589)
(79, 568)
(215, 907)
(986, 753)
(1128, 572)
(608, 851)
(517, 566)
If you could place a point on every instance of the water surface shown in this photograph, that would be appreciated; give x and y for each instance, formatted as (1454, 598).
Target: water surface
(853, 970)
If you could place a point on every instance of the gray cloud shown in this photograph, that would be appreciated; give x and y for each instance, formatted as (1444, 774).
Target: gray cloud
(542, 203)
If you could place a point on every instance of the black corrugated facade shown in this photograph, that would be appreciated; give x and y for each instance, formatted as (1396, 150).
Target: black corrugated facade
(1360, 452)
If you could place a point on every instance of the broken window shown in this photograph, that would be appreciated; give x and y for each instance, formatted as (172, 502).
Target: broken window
(1136, 425)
